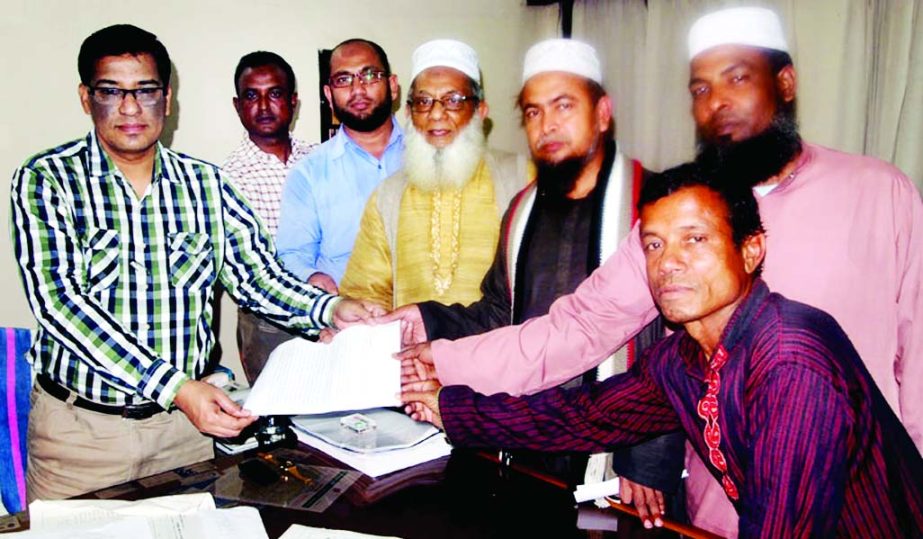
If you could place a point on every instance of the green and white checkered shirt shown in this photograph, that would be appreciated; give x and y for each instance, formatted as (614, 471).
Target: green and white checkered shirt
(123, 286)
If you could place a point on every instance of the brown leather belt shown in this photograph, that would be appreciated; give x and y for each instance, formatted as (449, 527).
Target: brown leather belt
(133, 411)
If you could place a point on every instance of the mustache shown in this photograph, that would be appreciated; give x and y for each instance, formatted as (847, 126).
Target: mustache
(545, 141)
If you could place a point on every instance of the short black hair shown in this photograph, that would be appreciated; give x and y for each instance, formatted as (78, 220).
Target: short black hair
(743, 210)
(260, 59)
(778, 60)
(118, 40)
(380, 52)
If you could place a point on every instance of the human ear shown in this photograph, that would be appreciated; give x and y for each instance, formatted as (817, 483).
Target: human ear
(329, 95)
(84, 94)
(753, 251)
(483, 109)
(787, 83)
(604, 112)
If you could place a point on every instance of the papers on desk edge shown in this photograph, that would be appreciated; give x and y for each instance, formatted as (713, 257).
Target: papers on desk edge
(354, 372)
(186, 516)
(297, 531)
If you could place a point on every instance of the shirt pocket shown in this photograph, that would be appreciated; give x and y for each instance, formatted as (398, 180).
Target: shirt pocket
(102, 259)
(191, 260)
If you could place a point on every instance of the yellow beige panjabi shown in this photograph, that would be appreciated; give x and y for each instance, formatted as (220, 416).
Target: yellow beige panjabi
(445, 241)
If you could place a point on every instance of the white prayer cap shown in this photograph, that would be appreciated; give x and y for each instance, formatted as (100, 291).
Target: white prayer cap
(446, 53)
(566, 55)
(752, 26)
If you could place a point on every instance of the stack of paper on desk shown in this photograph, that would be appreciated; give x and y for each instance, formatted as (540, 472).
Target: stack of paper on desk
(394, 430)
(186, 516)
(391, 430)
(354, 372)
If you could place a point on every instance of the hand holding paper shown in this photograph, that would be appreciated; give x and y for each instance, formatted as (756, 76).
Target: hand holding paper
(354, 372)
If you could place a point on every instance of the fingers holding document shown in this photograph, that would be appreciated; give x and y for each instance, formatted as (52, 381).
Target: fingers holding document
(413, 330)
(326, 335)
(423, 405)
(417, 363)
(211, 410)
(350, 312)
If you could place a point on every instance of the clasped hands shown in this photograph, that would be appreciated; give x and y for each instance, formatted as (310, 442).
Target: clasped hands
(420, 394)
(419, 383)
(213, 412)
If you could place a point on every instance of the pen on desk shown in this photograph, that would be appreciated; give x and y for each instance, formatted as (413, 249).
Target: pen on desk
(287, 467)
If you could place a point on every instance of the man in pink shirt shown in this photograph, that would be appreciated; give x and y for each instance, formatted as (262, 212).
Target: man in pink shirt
(843, 235)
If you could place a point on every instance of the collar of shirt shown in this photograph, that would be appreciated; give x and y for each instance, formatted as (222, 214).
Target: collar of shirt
(737, 326)
(249, 151)
(804, 158)
(342, 141)
(101, 165)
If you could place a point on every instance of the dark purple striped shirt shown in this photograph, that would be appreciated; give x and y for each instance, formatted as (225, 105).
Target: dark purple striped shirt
(810, 444)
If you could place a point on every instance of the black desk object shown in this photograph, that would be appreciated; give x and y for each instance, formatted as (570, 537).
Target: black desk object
(469, 499)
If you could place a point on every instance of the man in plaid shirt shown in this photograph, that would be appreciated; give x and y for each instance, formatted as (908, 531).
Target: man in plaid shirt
(119, 242)
(266, 98)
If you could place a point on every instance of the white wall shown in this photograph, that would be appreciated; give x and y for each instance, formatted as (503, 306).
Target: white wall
(205, 38)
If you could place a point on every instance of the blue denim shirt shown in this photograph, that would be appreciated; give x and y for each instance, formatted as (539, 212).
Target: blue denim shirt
(322, 203)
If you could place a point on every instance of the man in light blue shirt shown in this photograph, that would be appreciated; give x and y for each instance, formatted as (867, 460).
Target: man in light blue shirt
(326, 192)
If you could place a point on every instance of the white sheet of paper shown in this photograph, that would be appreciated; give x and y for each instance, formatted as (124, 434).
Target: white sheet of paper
(188, 516)
(382, 462)
(297, 531)
(596, 490)
(61, 514)
(354, 372)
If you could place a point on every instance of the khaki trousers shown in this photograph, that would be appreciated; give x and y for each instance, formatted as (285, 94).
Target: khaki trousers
(73, 451)
(256, 339)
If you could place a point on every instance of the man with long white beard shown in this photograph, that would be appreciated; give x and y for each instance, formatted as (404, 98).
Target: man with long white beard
(429, 231)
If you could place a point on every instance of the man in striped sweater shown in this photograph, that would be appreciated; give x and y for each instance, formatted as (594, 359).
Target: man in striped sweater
(770, 392)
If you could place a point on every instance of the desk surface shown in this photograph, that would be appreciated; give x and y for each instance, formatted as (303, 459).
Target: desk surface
(468, 499)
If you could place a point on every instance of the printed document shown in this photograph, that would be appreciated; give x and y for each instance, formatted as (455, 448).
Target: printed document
(354, 372)
(187, 516)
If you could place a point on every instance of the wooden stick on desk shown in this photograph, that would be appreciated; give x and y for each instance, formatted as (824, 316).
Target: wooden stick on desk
(526, 471)
(689, 531)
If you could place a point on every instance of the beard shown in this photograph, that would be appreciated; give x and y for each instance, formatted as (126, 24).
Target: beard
(370, 122)
(556, 180)
(429, 168)
(752, 161)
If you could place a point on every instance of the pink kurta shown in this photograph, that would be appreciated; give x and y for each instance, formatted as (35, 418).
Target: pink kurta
(845, 234)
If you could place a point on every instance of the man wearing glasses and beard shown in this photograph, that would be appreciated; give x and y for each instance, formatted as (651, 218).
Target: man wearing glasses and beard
(325, 193)
(429, 231)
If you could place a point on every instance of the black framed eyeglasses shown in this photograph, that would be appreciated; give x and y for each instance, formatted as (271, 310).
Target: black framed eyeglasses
(365, 77)
(110, 95)
(450, 102)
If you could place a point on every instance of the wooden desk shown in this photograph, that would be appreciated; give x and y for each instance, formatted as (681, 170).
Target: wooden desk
(468, 499)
